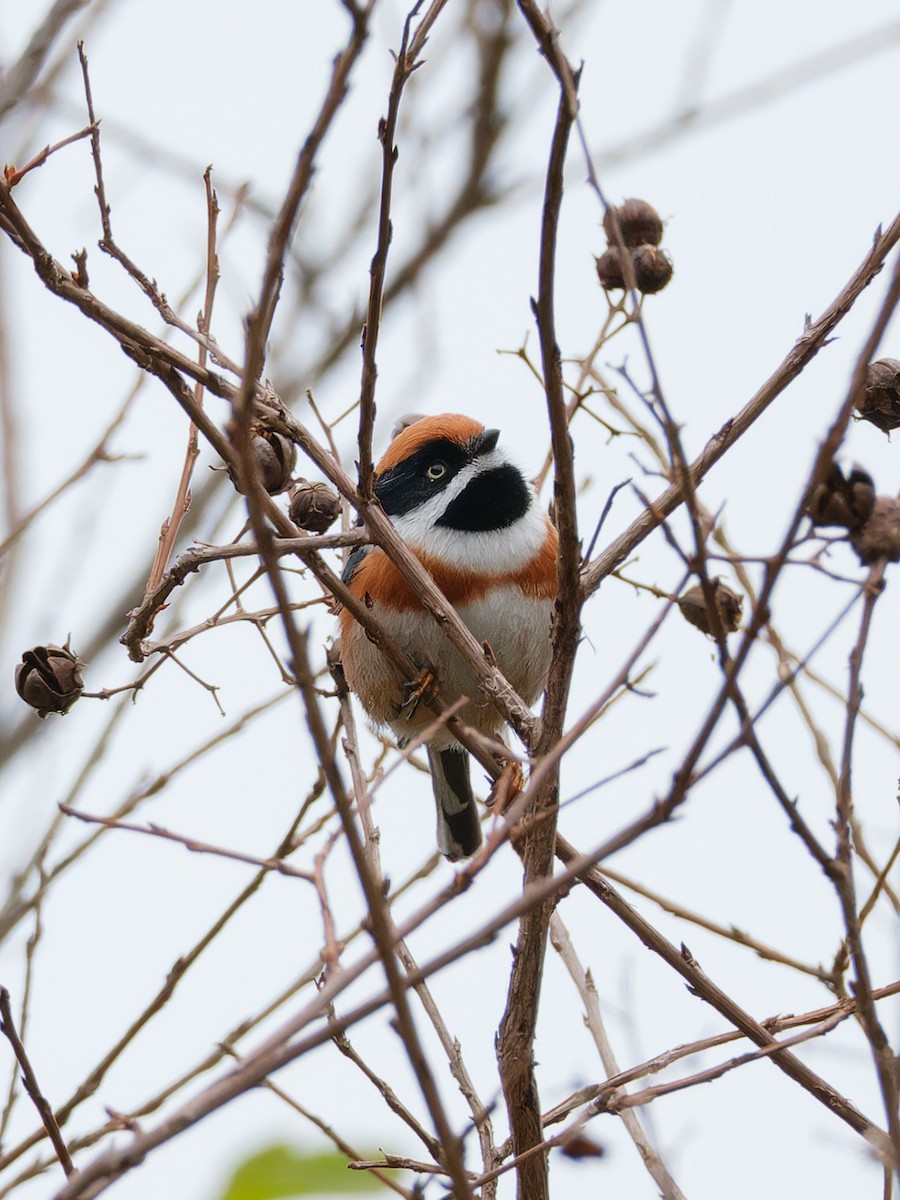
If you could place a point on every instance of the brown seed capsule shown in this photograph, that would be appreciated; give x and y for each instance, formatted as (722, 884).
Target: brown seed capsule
(49, 679)
(879, 402)
(609, 270)
(276, 458)
(861, 490)
(845, 503)
(639, 223)
(729, 603)
(879, 537)
(652, 269)
(582, 1146)
(314, 506)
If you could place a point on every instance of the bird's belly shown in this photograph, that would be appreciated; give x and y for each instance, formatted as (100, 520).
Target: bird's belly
(517, 628)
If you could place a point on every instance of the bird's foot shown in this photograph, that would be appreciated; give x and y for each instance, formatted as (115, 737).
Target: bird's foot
(507, 787)
(418, 691)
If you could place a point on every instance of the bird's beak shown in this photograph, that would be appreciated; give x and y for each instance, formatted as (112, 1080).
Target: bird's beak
(484, 443)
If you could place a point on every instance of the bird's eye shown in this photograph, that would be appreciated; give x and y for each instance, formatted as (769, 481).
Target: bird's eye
(436, 470)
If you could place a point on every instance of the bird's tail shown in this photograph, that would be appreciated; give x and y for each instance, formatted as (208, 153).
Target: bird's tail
(458, 827)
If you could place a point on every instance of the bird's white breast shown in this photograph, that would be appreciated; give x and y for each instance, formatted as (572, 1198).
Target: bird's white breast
(517, 628)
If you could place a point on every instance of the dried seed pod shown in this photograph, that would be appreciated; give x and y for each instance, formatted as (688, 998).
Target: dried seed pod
(49, 679)
(861, 493)
(845, 503)
(879, 537)
(609, 270)
(639, 223)
(314, 506)
(730, 605)
(879, 402)
(582, 1146)
(276, 458)
(652, 268)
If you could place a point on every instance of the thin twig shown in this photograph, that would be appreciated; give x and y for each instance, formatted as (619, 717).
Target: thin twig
(842, 875)
(30, 948)
(583, 981)
(32, 1087)
(169, 532)
(730, 932)
(197, 847)
(660, 1062)
(404, 65)
(15, 175)
(19, 76)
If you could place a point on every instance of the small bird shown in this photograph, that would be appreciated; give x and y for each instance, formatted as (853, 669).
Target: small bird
(472, 519)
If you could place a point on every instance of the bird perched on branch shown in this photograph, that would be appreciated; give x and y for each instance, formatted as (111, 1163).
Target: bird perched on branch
(473, 520)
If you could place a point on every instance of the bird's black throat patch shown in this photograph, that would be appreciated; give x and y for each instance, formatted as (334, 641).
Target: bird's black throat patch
(493, 500)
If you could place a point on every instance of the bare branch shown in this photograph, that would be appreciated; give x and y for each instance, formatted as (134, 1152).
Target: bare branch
(18, 79)
(8, 1029)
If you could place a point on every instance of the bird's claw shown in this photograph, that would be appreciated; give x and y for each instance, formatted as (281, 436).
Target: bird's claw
(507, 787)
(418, 691)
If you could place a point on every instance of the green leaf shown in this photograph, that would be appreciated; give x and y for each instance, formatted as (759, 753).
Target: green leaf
(282, 1171)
